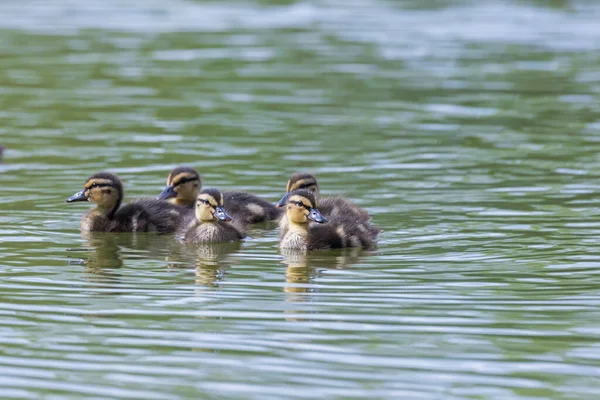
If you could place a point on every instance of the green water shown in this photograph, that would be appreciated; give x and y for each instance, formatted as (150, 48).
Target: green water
(469, 130)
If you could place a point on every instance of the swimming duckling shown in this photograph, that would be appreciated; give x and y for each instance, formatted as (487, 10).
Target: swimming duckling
(341, 230)
(144, 215)
(330, 206)
(211, 224)
(183, 186)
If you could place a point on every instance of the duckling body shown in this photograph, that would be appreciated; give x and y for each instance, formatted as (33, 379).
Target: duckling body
(212, 232)
(144, 215)
(248, 208)
(211, 223)
(342, 230)
(332, 207)
(337, 205)
(183, 186)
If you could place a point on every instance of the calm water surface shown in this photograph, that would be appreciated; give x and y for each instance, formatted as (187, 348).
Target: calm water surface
(471, 132)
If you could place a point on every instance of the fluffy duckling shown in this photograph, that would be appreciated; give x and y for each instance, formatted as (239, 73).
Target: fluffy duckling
(145, 215)
(330, 206)
(342, 230)
(211, 224)
(183, 186)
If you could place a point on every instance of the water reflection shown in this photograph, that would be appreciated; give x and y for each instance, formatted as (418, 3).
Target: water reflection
(209, 260)
(103, 258)
(304, 268)
(105, 253)
(212, 261)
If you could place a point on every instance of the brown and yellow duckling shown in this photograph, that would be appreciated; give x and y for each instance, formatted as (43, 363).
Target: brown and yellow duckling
(330, 206)
(144, 215)
(183, 186)
(211, 223)
(341, 230)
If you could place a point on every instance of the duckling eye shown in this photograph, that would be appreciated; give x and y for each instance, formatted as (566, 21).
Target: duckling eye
(94, 185)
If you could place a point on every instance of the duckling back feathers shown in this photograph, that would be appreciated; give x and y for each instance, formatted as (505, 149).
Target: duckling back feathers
(248, 208)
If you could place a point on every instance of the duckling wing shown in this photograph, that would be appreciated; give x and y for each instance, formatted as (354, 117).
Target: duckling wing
(249, 208)
(333, 206)
(323, 236)
(230, 232)
(146, 215)
(343, 231)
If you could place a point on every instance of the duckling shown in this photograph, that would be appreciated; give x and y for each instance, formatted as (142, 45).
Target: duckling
(144, 215)
(341, 230)
(183, 186)
(211, 224)
(329, 206)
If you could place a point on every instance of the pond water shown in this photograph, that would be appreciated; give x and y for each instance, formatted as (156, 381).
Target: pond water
(469, 131)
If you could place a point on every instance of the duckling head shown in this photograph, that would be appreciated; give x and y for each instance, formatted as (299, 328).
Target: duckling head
(300, 180)
(302, 208)
(209, 206)
(183, 185)
(104, 189)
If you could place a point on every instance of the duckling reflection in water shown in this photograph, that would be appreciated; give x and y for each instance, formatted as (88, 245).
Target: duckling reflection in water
(144, 215)
(342, 230)
(210, 260)
(213, 260)
(304, 268)
(297, 273)
(103, 259)
(183, 186)
(211, 223)
(105, 252)
(330, 207)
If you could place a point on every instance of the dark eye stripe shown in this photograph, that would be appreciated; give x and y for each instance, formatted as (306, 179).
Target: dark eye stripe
(306, 185)
(301, 204)
(184, 180)
(99, 185)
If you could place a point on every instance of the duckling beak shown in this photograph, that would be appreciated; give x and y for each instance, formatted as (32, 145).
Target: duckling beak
(221, 214)
(283, 201)
(79, 196)
(167, 193)
(315, 215)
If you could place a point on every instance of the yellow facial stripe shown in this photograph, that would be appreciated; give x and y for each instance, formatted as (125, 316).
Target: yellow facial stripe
(209, 198)
(302, 184)
(188, 176)
(99, 182)
(304, 201)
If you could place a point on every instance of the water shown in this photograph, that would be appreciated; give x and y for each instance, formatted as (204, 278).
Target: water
(469, 131)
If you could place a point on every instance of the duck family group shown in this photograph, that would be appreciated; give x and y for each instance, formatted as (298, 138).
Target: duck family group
(199, 215)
